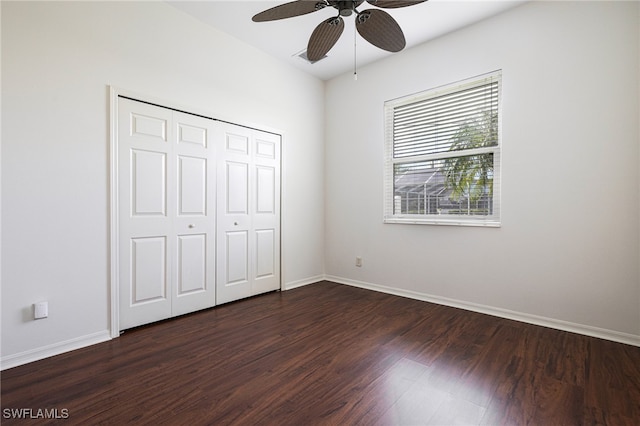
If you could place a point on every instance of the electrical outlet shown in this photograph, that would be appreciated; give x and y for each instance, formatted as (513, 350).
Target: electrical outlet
(40, 310)
(358, 261)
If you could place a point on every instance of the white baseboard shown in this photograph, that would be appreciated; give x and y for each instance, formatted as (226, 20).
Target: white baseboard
(53, 349)
(300, 283)
(615, 336)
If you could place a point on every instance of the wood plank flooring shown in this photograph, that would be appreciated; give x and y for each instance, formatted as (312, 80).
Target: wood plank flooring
(329, 354)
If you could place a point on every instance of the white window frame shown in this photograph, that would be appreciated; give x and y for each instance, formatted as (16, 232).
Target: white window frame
(390, 216)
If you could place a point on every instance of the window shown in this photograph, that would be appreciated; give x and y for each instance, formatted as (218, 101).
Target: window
(442, 155)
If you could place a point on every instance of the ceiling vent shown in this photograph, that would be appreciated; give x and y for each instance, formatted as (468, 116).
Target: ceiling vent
(303, 55)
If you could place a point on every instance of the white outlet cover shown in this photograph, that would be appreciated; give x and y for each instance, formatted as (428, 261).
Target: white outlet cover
(40, 310)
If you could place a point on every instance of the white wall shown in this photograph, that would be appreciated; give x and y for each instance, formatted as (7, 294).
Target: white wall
(570, 143)
(58, 60)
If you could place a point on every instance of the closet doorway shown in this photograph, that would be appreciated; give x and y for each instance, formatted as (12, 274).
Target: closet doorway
(197, 209)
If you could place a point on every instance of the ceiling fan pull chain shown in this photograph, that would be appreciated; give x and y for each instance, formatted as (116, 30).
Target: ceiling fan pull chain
(355, 49)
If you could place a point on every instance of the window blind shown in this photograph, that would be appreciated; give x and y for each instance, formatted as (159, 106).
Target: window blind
(429, 126)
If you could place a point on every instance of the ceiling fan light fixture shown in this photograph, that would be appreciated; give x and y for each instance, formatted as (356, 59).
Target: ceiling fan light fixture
(363, 16)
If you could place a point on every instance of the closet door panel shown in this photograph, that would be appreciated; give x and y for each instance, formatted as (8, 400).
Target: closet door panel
(195, 221)
(144, 213)
(266, 212)
(234, 219)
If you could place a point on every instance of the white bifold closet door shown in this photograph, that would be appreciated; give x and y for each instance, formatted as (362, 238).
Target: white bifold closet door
(248, 230)
(177, 225)
(167, 213)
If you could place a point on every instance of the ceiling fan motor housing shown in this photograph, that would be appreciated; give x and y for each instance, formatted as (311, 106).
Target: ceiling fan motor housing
(346, 7)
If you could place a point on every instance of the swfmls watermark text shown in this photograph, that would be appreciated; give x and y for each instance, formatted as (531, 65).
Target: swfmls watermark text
(35, 413)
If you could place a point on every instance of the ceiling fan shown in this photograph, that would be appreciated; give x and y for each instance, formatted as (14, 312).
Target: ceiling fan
(374, 25)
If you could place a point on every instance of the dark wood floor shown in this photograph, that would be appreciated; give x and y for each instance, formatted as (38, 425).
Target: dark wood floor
(328, 354)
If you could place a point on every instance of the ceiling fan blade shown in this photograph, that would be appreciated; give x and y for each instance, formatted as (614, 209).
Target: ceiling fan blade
(380, 29)
(324, 37)
(393, 4)
(289, 10)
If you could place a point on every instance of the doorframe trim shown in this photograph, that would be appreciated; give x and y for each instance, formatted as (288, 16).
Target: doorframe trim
(114, 323)
(114, 237)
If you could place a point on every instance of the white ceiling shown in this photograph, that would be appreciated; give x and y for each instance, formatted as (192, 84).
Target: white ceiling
(284, 39)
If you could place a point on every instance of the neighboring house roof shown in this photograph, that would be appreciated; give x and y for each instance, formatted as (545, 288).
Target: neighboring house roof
(431, 182)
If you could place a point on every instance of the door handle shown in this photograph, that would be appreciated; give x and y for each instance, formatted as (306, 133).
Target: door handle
(191, 225)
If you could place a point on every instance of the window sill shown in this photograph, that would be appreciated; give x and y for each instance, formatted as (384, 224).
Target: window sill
(486, 223)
